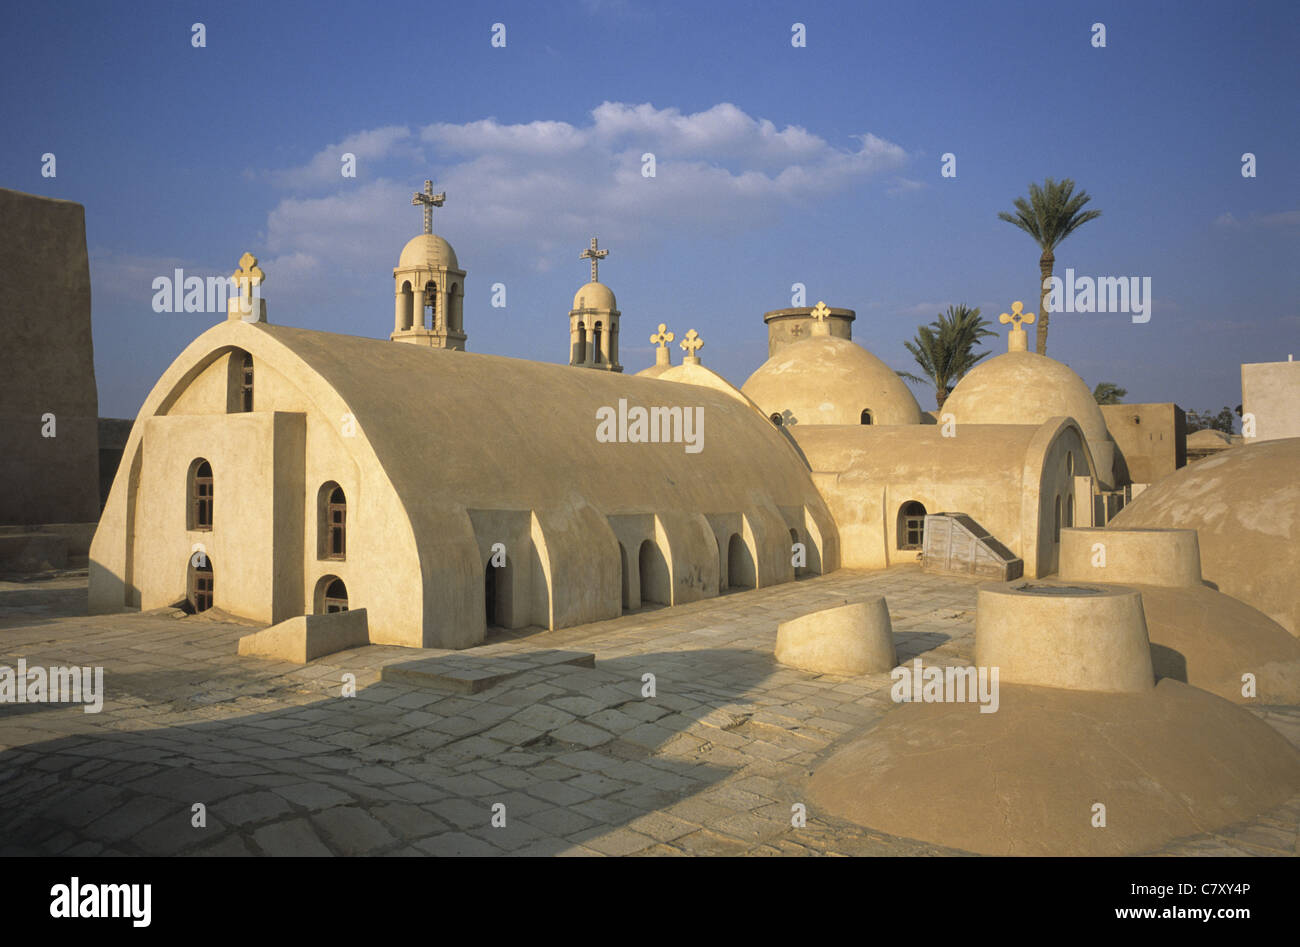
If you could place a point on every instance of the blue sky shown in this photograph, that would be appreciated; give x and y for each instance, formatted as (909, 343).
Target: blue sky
(775, 165)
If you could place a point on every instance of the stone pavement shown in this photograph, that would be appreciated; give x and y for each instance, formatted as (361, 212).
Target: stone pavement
(582, 763)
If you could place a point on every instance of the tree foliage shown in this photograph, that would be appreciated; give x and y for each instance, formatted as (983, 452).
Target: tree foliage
(945, 349)
(1107, 392)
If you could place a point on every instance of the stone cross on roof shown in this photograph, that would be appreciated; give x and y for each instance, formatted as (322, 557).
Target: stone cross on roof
(430, 200)
(248, 275)
(692, 345)
(821, 314)
(1017, 338)
(248, 305)
(594, 255)
(663, 336)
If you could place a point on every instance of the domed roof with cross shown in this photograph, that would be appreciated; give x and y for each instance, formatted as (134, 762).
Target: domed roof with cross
(428, 250)
(595, 295)
(1023, 387)
(822, 379)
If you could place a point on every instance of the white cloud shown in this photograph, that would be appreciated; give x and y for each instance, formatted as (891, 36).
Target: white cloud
(325, 168)
(536, 190)
(1285, 218)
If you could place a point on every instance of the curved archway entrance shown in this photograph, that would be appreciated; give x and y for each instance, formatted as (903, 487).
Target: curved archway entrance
(740, 564)
(653, 567)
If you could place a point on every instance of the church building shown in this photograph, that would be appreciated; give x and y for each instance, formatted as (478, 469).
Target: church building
(277, 471)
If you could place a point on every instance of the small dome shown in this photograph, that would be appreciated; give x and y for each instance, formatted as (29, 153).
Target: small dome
(828, 380)
(1025, 388)
(594, 296)
(428, 250)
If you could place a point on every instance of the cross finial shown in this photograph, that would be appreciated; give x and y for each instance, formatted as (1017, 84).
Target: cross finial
(821, 314)
(1017, 338)
(594, 255)
(692, 345)
(430, 200)
(663, 336)
(248, 305)
(249, 273)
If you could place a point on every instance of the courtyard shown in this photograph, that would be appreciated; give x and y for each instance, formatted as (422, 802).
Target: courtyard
(551, 735)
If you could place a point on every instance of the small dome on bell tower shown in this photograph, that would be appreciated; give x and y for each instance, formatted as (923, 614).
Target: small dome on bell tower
(429, 285)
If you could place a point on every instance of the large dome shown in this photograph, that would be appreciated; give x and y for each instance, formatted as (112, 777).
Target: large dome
(1025, 388)
(827, 380)
(594, 296)
(428, 250)
(1245, 507)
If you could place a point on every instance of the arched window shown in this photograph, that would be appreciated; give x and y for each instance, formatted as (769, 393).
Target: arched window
(199, 589)
(1056, 522)
(580, 349)
(595, 343)
(1069, 463)
(1069, 510)
(911, 525)
(334, 597)
(332, 522)
(776, 419)
(200, 496)
(430, 302)
(866, 415)
(246, 383)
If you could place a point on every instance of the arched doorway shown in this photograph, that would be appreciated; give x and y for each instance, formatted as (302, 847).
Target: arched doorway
(911, 525)
(866, 416)
(740, 564)
(653, 567)
(199, 585)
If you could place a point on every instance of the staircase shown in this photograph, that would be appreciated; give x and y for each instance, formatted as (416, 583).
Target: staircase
(957, 545)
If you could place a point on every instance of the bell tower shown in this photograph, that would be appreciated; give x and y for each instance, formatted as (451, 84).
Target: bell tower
(593, 320)
(429, 285)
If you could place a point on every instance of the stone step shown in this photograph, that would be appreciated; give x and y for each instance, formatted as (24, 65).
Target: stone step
(466, 674)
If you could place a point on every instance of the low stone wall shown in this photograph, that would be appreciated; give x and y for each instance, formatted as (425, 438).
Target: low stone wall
(307, 637)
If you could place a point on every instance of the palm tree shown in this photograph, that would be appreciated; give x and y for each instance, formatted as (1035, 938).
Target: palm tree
(1051, 214)
(945, 349)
